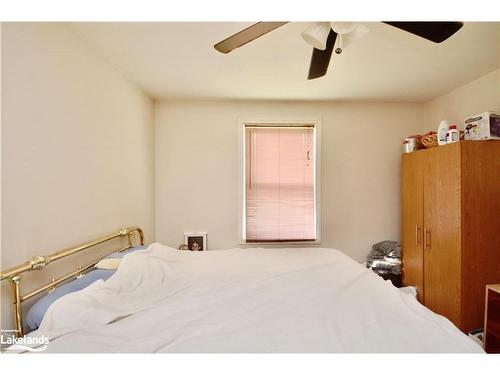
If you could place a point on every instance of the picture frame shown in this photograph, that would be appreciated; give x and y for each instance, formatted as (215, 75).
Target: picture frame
(196, 241)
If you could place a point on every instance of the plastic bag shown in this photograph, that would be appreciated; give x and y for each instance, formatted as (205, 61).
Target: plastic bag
(385, 256)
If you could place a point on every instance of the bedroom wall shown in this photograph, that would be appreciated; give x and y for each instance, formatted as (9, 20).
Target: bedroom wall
(197, 168)
(77, 149)
(480, 95)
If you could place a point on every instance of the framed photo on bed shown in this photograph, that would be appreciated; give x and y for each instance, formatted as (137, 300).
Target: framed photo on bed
(196, 241)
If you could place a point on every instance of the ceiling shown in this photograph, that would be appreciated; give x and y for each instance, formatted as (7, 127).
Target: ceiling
(177, 60)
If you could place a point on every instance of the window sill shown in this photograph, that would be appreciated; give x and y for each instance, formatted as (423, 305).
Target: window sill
(281, 244)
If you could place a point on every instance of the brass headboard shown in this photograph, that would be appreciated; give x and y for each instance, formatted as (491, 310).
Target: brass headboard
(39, 262)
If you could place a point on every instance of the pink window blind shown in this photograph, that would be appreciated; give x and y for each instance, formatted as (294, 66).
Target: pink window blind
(280, 186)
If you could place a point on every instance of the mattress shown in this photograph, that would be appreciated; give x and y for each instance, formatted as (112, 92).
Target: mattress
(246, 301)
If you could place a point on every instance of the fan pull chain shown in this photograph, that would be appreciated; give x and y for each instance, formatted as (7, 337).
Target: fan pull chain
(338, 50)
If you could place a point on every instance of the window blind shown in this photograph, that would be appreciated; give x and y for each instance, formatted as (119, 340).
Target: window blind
(280, 184)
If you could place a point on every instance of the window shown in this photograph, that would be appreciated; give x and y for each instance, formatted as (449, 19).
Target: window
(280, 183)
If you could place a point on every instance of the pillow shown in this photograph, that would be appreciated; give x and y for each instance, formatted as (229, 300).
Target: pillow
(128, 251)
(109, 264)
(38, 309)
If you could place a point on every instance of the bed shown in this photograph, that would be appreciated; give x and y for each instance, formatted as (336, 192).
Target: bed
(247, 301)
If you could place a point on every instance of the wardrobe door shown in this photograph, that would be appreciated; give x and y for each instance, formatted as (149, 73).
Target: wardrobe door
(412, 206)
(442, 231)
(480, 226)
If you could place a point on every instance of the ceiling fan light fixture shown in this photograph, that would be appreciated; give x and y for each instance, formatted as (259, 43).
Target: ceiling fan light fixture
(343, 27)
(317, 34)
(359, 31)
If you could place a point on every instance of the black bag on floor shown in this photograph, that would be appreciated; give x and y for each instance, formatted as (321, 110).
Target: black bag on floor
(385, 256)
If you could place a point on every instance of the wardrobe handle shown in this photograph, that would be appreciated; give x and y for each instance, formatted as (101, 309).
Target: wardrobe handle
(427, 238)
(417, 230)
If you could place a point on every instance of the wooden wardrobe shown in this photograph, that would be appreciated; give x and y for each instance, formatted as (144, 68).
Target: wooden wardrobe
(451, 227)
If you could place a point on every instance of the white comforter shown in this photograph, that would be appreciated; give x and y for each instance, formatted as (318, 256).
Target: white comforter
(246, 300)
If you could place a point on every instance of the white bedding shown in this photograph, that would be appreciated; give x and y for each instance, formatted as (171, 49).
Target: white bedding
(246, 300)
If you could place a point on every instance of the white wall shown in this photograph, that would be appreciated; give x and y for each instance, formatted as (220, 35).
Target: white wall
(480, 95)
(197, 168)
(77, 148)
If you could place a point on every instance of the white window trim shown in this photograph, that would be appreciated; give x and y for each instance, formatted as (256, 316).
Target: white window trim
(241, 185)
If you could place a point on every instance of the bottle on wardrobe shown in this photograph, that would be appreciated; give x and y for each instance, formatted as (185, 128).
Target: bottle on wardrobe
(442, 132)
(453, 135)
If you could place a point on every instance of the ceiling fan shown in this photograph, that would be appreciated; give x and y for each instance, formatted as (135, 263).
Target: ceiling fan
(323, 35)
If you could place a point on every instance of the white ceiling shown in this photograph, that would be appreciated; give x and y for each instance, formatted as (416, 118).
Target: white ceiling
(177, 60)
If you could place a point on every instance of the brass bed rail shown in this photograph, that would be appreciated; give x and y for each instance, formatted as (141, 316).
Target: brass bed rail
(39, 262)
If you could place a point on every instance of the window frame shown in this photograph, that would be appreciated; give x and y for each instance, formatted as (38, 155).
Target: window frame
(316, 123)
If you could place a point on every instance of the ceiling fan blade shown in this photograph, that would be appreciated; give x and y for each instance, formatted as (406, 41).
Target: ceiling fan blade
(247, 35)
(436, 32)
(321, 58)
